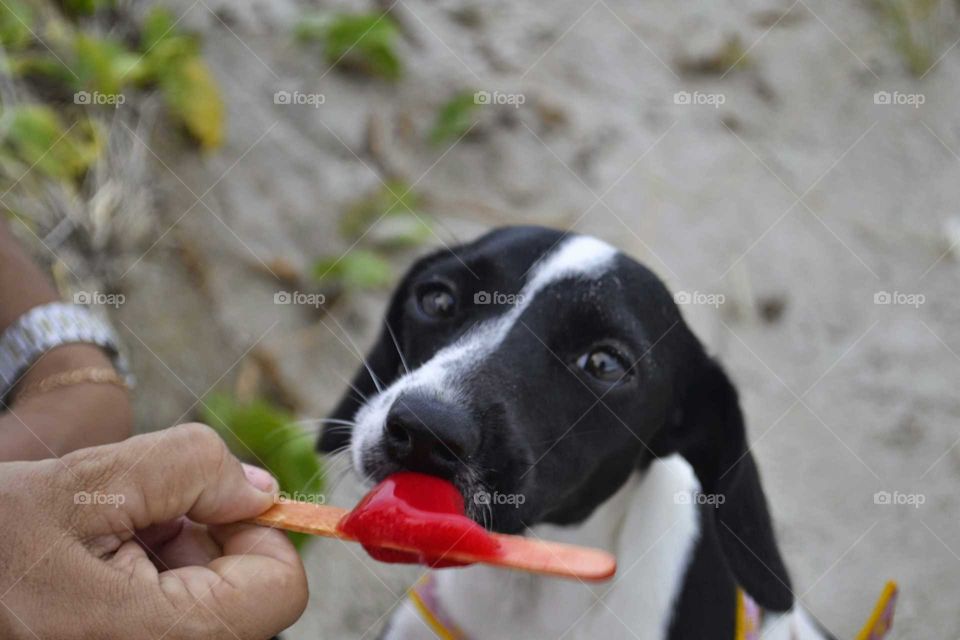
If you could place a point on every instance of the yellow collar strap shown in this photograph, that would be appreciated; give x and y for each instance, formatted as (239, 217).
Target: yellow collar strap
(881, 620)
(424, 598)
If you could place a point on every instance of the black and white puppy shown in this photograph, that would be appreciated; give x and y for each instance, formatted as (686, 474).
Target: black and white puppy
(555, 377)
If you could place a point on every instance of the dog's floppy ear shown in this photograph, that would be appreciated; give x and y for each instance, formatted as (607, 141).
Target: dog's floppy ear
(713, 439)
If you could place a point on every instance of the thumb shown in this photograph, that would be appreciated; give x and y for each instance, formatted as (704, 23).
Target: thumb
(184, 470)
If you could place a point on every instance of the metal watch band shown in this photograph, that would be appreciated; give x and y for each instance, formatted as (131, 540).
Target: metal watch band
(52, 325)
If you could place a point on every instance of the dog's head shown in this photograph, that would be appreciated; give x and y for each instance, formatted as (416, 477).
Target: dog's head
(536, 370)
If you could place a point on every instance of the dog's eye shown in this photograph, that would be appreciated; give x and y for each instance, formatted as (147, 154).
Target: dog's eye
(603, 364)
(437, 300)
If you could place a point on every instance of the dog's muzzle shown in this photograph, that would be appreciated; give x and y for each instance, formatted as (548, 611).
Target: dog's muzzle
(429, 435)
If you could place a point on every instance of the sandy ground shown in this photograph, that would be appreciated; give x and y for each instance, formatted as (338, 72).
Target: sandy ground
(798, 199)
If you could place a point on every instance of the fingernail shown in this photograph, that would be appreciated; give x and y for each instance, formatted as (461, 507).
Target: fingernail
(260, 478)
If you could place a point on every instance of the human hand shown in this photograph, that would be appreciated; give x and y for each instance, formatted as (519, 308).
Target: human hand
(140, 539)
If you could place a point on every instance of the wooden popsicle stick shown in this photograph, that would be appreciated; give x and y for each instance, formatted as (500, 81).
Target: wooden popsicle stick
(516, 552)
(303, 517)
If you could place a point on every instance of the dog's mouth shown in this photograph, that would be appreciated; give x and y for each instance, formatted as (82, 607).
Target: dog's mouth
(377, 466)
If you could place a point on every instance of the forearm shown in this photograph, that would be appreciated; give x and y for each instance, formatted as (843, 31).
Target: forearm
(22, 284)
(57, 422)
(65, 419)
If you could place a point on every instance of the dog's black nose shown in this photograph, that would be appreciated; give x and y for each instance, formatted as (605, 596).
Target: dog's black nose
(429, 435)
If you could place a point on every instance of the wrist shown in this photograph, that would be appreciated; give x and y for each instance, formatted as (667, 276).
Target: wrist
(46, 328)
(65, 357)
(68, 418)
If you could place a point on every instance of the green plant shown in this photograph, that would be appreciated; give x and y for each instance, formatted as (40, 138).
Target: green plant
(268, 436)
(173, 62)
(86, 7)
(394, 199)
(365, 41)
(59, 53)
(16, 20)
(912, 25)
(35, 137)
(102, 64)
(454, 118)
(377, 223)
(358, 269)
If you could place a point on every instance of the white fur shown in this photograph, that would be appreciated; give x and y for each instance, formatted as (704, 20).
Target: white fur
(649, 527)
(577, 257)
(651, 524)
(795, 624)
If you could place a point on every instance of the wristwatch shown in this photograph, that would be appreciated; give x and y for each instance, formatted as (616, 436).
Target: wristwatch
(51, 325)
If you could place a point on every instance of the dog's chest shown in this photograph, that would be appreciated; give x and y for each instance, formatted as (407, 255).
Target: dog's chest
(650, 524)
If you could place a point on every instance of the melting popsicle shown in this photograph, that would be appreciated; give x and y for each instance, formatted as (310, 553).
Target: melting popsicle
(411, 517)
(417, 511)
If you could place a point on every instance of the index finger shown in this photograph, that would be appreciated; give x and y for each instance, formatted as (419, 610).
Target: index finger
(152, 478)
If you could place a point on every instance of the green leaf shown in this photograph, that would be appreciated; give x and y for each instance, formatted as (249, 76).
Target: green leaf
(312, 27)
(194, 99)
(401, 229)
(913, 28)
(102, 64)
(37, 137)
(157, 26)
(454, 118)
(16, 23)
(86, 7)
(395, 197)
(359, 269)
(268, 436)
(365, 41)
(173, 61)
(41, 65)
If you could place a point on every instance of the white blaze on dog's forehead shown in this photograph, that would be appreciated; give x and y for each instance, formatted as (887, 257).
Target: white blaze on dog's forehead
(580, 256)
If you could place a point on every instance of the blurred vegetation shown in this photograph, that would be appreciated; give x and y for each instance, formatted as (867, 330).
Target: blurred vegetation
(268, 436)
(376, 224)
(913, 28)
(454, 118)
(76, 72)
(365, 42)
(36, 137)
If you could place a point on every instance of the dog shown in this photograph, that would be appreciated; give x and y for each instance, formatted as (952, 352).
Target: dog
(552, 379)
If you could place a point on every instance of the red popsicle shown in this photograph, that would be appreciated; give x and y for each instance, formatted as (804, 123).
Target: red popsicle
(421, 512)
(415, 518)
